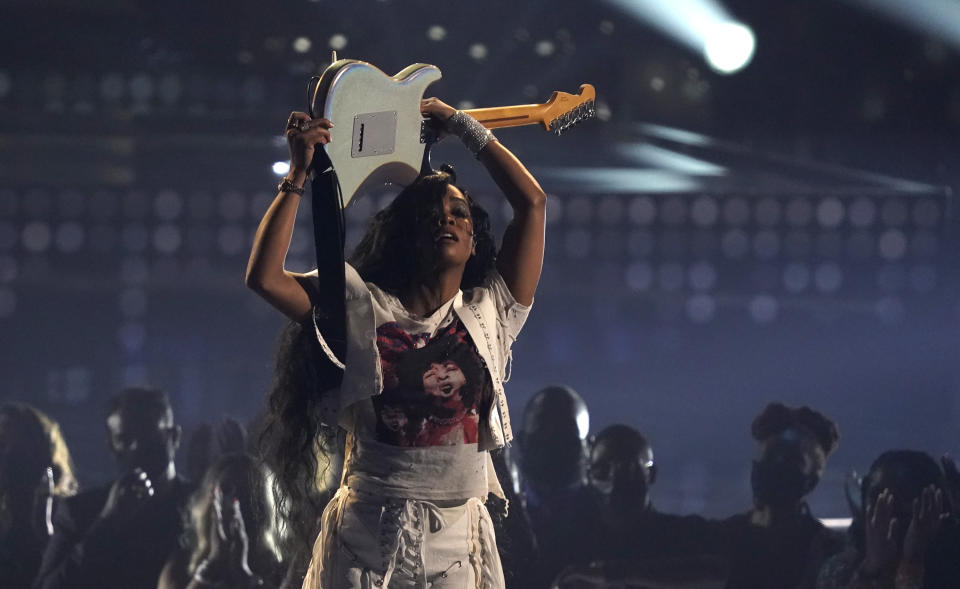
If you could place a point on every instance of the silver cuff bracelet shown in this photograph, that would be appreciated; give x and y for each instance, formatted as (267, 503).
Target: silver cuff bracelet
(473, 134)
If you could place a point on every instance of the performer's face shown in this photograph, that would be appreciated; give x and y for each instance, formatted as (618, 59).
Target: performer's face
(444, 380)
(450, 240)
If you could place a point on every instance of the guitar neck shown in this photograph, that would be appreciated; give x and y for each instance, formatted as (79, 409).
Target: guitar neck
(509, 116)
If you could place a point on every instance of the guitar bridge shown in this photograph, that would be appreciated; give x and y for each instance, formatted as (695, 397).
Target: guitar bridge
(374, 133)
(427, 133)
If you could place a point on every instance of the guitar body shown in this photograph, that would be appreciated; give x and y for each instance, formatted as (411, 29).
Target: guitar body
(378, 135)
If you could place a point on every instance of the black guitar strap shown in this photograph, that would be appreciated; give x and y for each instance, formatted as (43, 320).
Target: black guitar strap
(329, 310)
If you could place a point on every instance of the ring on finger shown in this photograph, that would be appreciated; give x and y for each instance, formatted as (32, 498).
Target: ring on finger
(303, 126)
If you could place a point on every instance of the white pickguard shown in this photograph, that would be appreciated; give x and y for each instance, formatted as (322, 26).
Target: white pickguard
(377, 124)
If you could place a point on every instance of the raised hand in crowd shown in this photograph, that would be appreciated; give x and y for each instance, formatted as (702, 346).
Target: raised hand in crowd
(929, 513)
(227, 563)
(881, 550)
(128, 494)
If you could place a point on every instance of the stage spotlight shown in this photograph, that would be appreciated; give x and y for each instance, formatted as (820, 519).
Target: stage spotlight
(729, 47)
(302, 44)
(436, 33)
(36, 237)
(478, 51)
(893, 244)
(338, 42)
(545, 48)
(281, 168)
(703, 25)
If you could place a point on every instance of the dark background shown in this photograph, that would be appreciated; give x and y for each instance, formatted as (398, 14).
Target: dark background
(797, 243)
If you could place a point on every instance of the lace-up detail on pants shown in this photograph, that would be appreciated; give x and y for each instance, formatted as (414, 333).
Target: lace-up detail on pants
(369, 542)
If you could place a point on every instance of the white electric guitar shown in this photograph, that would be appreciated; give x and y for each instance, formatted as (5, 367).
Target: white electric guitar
(380, 137)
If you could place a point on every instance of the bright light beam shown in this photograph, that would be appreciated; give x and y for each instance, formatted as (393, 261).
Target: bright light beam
(703, 25)
(940, 18)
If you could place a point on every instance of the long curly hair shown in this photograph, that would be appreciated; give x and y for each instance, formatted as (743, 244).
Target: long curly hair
(294, 442)
(387, 254)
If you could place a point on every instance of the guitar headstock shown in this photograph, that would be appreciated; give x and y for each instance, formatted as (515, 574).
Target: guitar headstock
(565, 110)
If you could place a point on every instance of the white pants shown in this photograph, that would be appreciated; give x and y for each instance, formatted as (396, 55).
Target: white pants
(371, 542)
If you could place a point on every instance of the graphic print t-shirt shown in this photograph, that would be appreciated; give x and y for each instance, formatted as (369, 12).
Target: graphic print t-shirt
(435, 384)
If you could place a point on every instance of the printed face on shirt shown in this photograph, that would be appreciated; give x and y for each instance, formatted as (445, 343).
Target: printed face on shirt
(444, 379)
(393, 417)
(431, 392)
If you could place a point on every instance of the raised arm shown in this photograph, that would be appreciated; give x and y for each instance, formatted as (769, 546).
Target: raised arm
(266, 275)
(521, 255)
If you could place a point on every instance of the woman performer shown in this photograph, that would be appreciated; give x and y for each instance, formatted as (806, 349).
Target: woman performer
(432, 312)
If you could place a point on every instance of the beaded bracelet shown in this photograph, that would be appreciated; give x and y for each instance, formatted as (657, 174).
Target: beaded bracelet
(287, 185)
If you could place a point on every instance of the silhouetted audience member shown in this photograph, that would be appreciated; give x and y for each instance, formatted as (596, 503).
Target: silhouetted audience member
(119, 536)
(552, 446)
(632, 543)
(778, 544)
(34, 468)
(905, 540)
(233, 533)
